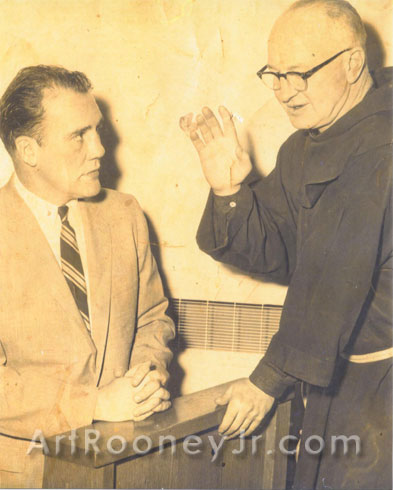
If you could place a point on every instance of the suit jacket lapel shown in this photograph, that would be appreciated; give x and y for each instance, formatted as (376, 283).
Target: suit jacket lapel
(38, 260)
(99, 262)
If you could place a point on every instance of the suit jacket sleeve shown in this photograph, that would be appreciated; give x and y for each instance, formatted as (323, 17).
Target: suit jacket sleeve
(154, 328)
(31, 400)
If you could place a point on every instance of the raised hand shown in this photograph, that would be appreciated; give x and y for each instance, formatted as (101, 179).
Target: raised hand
(224, 162)
(247, 406)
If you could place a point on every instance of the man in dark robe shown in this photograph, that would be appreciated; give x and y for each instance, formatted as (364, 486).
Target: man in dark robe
(322, 221)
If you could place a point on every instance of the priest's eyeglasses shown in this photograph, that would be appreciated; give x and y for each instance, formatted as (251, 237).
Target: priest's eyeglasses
(296, 79)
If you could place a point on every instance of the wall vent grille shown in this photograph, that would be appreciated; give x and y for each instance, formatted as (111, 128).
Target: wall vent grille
(217, 325)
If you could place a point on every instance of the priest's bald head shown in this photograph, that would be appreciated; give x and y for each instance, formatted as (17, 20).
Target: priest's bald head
(317, 63)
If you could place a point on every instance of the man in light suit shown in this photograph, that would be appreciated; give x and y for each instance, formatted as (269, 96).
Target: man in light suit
(83, 336)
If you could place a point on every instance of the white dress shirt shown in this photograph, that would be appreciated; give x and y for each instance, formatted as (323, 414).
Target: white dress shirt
(49, 220)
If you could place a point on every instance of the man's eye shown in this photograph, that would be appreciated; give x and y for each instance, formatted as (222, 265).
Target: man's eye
(78, 137)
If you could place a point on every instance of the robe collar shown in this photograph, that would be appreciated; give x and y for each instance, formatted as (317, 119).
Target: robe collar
(326, 154)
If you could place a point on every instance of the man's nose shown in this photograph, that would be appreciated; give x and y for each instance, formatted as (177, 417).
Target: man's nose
(285, 93)
(97, 150)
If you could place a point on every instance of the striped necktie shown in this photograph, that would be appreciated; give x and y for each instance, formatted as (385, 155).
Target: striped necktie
(71, 265)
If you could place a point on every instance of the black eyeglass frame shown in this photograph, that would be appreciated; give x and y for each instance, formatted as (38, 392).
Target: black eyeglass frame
(304, 75)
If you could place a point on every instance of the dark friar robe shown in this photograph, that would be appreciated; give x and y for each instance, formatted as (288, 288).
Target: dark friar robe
(322, 222)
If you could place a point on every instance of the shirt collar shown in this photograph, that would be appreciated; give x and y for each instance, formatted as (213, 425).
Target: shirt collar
(42, 209)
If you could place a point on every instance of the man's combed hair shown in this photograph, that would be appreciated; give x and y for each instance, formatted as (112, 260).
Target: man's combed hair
(338, 10)
(21, 110)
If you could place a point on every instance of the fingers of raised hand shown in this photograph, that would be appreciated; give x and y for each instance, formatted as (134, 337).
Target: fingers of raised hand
(212, 122)
(204, 128)
(190, 127)
(187, 124)
(197, 142)
(208, 125)
(227, 121)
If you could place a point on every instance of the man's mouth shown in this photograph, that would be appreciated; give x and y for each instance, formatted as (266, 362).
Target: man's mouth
(93, 173)
(295, 107)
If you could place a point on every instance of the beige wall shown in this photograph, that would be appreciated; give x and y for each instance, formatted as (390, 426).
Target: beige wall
(150, 62)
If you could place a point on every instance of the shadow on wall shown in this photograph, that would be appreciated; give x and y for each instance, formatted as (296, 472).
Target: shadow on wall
(376, 53)
(177, 346)
(109, 177)
(109, 173)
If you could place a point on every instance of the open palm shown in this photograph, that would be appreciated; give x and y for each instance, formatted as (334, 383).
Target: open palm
(224, 162)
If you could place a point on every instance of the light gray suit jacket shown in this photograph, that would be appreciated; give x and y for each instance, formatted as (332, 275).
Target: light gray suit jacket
(50, 366)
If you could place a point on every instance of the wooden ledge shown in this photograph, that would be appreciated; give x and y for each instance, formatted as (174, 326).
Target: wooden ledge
(189, 414)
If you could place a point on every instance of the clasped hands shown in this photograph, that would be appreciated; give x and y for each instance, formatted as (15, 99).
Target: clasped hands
(225, 163)
(135, 395)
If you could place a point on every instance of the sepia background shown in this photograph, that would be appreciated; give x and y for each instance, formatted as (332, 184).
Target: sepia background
(150, 62)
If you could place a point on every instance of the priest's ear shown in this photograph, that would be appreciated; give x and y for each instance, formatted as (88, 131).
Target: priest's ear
(355, 64)
(27, 150)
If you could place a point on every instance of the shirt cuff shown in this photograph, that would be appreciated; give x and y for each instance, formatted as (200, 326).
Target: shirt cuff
(225, 204)
(271, 379)
(223, 209)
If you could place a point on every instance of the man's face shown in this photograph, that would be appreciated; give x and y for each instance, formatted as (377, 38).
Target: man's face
(68, 160)
(294, 48)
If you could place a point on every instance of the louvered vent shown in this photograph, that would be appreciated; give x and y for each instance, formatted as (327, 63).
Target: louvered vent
(216, 325)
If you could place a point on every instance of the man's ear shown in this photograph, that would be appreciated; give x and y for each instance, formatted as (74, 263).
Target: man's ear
(355, 64)
(27, 150)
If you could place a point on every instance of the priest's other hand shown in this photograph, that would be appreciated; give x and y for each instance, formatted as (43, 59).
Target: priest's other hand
(247, 407)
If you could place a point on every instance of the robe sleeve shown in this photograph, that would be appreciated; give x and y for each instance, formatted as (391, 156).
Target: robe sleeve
(255, 229)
